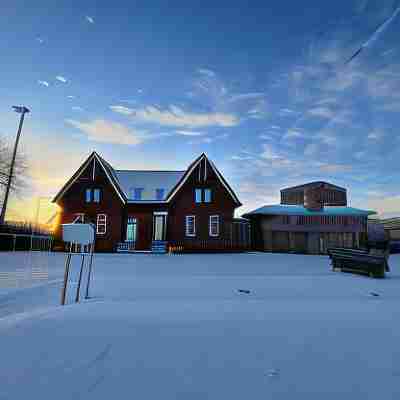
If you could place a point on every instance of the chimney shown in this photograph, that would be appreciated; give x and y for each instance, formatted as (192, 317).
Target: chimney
(313, 198)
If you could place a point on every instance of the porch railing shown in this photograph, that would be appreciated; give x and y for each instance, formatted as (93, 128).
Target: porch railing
(126, 246)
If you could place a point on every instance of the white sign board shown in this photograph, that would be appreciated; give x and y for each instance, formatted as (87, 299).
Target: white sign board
(78, 233)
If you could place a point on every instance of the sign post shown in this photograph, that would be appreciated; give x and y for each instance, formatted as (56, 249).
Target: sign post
(78, 236)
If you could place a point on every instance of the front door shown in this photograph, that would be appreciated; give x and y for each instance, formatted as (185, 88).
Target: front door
(159, 226)
(131, 231)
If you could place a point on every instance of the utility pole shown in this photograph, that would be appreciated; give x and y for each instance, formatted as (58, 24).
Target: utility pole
(20, 110)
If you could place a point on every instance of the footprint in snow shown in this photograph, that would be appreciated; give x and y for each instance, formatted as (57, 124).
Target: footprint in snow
(273, 373)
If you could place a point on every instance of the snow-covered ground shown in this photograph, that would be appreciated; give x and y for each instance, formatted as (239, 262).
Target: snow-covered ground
(177, 327)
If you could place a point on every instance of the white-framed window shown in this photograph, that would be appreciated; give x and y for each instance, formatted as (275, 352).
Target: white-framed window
(96, 195)
(214, 225)
(207, 195)
(88, 195)
(101, 224)
(198, 196)
(190, 225)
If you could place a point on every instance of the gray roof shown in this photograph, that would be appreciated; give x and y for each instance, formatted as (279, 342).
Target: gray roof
(149, 181)
(283, 209)
(314, 183)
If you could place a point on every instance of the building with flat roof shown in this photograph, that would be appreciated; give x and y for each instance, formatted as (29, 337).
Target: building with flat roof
(321, 220)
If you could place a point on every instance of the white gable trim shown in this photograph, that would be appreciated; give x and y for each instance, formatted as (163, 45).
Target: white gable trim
(79, 173)
(203, 157)
(110, 179)
(188, 173)
(223, 182)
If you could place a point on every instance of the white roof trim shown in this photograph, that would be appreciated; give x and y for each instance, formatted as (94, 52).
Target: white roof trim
(203, 157)
(169, 198)
(81, 169)
(223, 182)
(109, 178)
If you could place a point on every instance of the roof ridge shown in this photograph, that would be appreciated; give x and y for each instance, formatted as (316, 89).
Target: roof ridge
(149, 170)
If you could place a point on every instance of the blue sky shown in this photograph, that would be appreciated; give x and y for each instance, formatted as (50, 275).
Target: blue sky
(263, 89)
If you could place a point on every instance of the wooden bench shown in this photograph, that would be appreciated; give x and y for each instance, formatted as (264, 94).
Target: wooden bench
(372, 261)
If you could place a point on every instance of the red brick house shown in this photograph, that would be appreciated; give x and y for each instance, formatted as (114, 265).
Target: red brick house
(149, 210)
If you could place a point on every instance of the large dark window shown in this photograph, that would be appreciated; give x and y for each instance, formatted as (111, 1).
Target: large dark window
(92, 195)
(202, 195)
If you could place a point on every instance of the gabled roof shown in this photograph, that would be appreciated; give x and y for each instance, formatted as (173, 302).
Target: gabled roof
(190, 170)
(123, 181)
(149, 181)
(94, 157)
(283, 209)
(315, 183)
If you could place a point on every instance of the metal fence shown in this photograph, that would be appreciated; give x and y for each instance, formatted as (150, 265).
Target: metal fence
(25, 242)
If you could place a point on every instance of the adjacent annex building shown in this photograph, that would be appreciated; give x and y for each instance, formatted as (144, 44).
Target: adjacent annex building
(310, 219)
(136, 210)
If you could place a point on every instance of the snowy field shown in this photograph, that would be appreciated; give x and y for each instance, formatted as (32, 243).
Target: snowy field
(177, 327)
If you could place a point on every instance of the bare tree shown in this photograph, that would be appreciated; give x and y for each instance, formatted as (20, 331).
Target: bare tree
(20, 169)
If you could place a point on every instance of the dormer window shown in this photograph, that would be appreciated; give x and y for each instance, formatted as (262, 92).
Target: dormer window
(137, 194)
(160, 194)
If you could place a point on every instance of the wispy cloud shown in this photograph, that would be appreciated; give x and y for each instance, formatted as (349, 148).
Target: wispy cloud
(322, 112)
(43, 83)
(89, 19)
(189, 133)
(177, 117)
(287, 111)
(100, 130)
(62, 79)
(269, 153)
(246, 96)
(375, 135)
(218, 95)
(207, 72)
(122, 110)
(292, 134)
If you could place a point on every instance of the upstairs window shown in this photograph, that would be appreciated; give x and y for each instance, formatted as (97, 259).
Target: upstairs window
(160, 194)
(190, 225)
(96, 195)
(214, 225)
(202, 195)
(101, 224)
(207, 195)
(138, 194)
(88, 195)
(135, 193)
(92, 195)
(198, 196)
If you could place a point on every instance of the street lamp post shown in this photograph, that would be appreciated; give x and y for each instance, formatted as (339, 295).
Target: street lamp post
(20, 110)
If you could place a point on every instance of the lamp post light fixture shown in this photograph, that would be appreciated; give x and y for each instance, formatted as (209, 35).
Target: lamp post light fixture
(20, 110)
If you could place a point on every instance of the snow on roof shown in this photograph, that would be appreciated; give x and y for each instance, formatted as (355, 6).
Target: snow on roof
(284, 209)
(149, 181)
